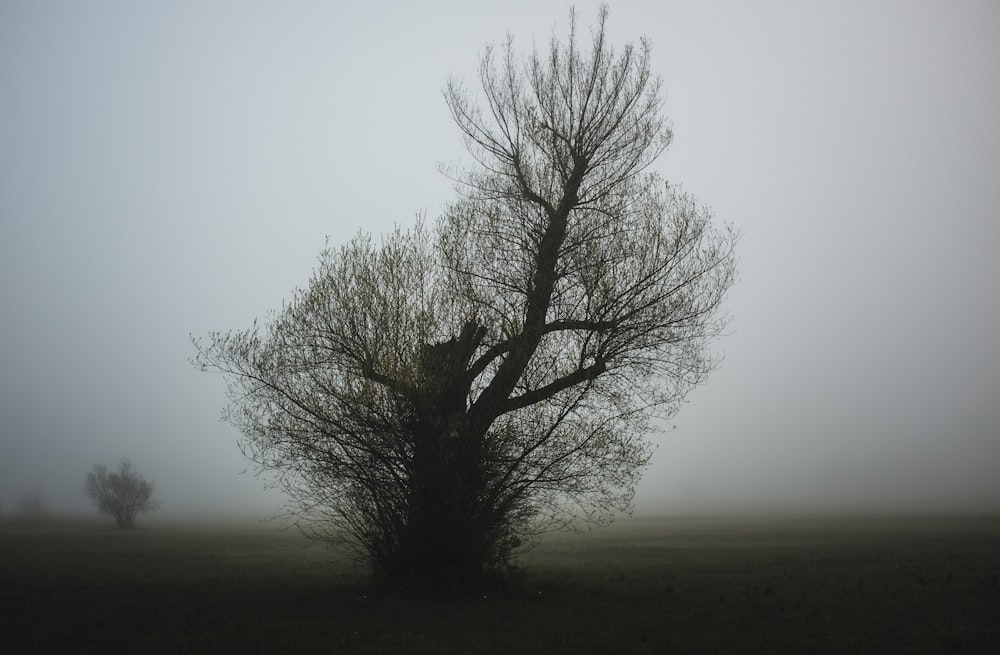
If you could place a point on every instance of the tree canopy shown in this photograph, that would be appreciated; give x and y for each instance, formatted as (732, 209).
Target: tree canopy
(433, 398)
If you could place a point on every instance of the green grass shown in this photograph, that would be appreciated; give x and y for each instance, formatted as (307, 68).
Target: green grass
(642, 586)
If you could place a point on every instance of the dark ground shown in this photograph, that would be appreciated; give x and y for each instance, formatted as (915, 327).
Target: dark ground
(642, 586)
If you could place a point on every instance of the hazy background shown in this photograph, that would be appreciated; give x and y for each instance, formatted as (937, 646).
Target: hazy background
(173, 167)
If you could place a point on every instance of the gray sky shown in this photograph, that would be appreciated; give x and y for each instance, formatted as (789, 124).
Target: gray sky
(174, 167)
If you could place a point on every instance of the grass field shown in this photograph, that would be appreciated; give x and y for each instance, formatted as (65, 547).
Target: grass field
(641, 586)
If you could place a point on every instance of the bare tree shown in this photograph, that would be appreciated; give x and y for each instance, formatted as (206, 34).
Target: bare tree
(434, 399)
(122, 493)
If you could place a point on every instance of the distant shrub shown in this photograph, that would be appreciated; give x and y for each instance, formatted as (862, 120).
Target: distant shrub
(122, 493)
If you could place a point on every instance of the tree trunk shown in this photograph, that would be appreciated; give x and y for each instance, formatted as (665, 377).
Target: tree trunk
(446, 541)
(443, 543)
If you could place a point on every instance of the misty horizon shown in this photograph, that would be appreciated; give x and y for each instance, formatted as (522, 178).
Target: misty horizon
(166, 171)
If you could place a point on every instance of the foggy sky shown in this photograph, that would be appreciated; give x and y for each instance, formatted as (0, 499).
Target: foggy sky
(172, 168)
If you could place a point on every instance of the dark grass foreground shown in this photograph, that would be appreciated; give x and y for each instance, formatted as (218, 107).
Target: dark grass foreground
(666, 586)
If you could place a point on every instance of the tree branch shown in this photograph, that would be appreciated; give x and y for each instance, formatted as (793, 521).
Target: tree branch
(534, 396)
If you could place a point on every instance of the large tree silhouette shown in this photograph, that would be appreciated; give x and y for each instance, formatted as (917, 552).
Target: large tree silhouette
(433, 398)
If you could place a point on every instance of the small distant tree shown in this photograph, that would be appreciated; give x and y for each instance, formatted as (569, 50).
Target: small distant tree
(123, 493)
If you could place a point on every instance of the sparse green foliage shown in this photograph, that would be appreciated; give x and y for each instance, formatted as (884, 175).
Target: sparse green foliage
(436, 399)
(122, 493)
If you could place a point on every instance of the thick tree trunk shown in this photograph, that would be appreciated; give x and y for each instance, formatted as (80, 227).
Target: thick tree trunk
(444, 542)
(447, 539)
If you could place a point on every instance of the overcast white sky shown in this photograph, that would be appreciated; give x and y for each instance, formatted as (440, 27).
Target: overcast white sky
(169, 168)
